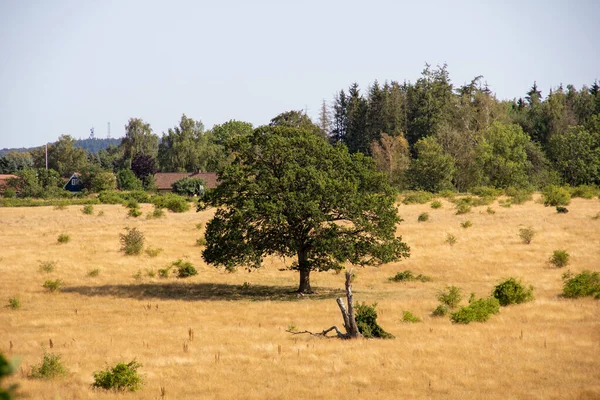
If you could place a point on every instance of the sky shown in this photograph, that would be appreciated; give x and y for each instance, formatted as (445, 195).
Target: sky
(69, 65)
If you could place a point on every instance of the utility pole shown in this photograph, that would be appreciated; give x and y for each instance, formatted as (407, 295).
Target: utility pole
(46, 156)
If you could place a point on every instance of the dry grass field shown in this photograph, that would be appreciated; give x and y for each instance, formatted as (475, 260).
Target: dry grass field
(549, 348)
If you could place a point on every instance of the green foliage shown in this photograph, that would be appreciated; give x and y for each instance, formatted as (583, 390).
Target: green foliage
(490, 211)
(53, 285)
(416, 197)
(285, 193)
(201, 242)
(576, 155)
(153, 252)
(451, 239)
(93, 273)
(366, 320)
(102, 181)
(47, 266)
(132, 242)
(556, 196)
(562, 210)
(433, 169)
(14, 303)
(63, 238)
(518, 195)
(122, 377)
(88, 209)
(164, 272)
(436, 204)
(199, 225)
(126, 180)
(423, 217)
(560, 258)
(463, 206)
(512, 291)
(134, 212)
(171, 202)
(584, 191)
(184, 269)
(450, 297)
(189, 187)
(441, 311)
(478, 310)
(132, 203)
(486, 191)
(583, 284)
(6, 369)
(63, 156)
(526, 234)
(466, 224)
(157, 213)
(50, 367)
(407, 316)
(60, 203)
(409, 276)
(9, 193)
(138, 275)
(112, 197)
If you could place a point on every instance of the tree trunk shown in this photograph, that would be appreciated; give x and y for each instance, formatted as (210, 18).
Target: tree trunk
(304, 273)
(352, 329)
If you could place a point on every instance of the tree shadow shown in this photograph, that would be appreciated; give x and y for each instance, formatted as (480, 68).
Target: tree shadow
(202, 292)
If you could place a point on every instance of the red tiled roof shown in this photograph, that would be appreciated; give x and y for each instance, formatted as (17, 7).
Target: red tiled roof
(165, 180)
(211, 178)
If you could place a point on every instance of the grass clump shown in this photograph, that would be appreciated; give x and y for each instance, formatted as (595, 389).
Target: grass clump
(416, 197)
(466, 224)
(93, 273)
(584, 191)
(120, 378)
(478, 310)
(486, 191)
(63, 238)
(409, 317)
(451, 239)
(490, 211)
(556, 196)
(47, 266)
(88, 209)
(153, 251)
(14, 303)
(157, 213)
(423, 217)
(50, 367)
(164, 272)
(583, 284)
(134, 212)
(184, 269)
(132, 242)
(560, 258)
(199, 225)
(512, 291)
(101, 213)
(462, 208)
(449, 299)
(436, 204)
(53, 285)
(526, 234)
(408, 276)
(518, 196)
(366, 320)
(201, 241)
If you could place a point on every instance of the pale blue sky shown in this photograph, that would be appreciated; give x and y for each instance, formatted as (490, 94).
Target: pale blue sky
(69, 65)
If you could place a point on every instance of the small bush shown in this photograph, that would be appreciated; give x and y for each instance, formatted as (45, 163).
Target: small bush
(171, 202)
(6, 369)
(122, 377)
(101, 213)
(436, 204)
(505, 203)
(584, 284)
(490, 211)
(153, 252)
(164, 272)
(466, 224)
(150, 273)
(584, 191)
(478, 310)
(199, 225)
(88, 209)
(556, 196)
(201, 241)
(526, 234)
(53, 285)
(63, 238)
(47, 266)
(407, 316)
(518, 196)
(50, 367)
(423, 217)
(416, 197)
(111, 197)
(134, 212)
(408, 276)
(14, 303)
(157, 213)
(560, 258)
(366, 320)
(93, 272)
(451, 239)
(132, 203)
(61, 206)
(132, 242)
(486, 191)
(184, 269)
(441, 311)
(462, 208)
(512, 291)
(447, 194)
(562, 210)
(450, 297)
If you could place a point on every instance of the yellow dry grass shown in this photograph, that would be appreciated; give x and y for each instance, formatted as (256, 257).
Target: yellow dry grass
(549, 348)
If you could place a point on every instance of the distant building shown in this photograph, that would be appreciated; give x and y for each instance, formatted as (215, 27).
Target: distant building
(165, 180)
(74, 184)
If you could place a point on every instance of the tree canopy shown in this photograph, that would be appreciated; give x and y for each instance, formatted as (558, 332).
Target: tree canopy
(289, 193)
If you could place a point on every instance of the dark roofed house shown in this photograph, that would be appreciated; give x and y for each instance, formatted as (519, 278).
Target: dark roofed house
(165, 180)
(74, 184)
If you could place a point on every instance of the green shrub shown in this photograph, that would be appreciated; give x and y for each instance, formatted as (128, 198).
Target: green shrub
(93, 272)
(88, 209)
(451, 239)
(9, 193)
(584, 284)
(447, 194)
(189, 186)
(150, 273)
(490, 211)
(138, 275)
(562, 210)
(164, 272)
(466, 224)
(199, 225)
(153, 252)
(201, 241)
(518, 196)
(134, 212)
(171, 202)
(126, 180)
(423, 217)
(184, 269)
(556, 196)
(584, 191)
(63, 238)
(53, 285)
(122, 377)
(560, 258)
(526, 234)
(6, 369)
(111, 197)
(407, 316)
(512, 291)
(132, 242)
(436, 204)
(132, 203)
(478, 310)
(139, 195)
(157, 213)
(47, 266)
(50, 367)
(14, 303)
(366, 320)
(486, 191)
(462, 208)
(101, 213)
(450, 297)
(483, 201)
(408, 276)
(505, 203)
(416, 197)
(441, 311)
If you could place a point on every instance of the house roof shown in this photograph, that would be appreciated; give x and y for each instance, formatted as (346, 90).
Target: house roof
(165, 180)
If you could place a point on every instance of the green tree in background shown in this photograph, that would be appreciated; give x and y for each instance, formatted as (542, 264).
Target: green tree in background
(576, 155)
(180, 148)
(63, 156)
(126, 180)
(432, 170)
(139, 139)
